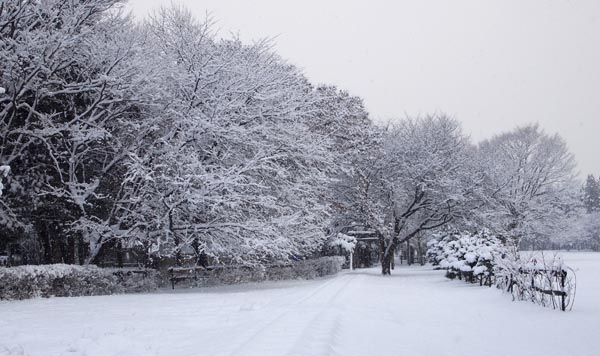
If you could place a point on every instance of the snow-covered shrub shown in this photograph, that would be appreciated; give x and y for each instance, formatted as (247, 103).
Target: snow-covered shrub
(468, 255)
(318, 267)
(482, 257)
(62, 280)
(226, 275)
(435, 249)
(536, 278)
(345, 242)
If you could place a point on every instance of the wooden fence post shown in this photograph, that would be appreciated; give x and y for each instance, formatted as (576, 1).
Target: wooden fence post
(563, 277)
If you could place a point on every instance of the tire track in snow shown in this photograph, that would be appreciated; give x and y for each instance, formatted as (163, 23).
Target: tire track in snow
(261, 329)
(318, 336)
(306, 327)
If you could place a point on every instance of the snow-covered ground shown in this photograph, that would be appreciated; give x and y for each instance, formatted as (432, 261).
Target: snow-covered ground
(414, 312)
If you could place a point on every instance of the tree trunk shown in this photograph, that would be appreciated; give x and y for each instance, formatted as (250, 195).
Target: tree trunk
(82, 250)
(46, 244)
(386, 263)
(119, 252)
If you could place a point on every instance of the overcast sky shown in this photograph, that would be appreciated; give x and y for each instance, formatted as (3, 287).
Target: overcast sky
(492, 65)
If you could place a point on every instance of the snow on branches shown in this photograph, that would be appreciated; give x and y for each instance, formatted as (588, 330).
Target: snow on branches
(529, 185)
(347, 243)
(471, 256)
(415, 178)
(163, 138)
(4, 171)
(235, 172)
(483, 258)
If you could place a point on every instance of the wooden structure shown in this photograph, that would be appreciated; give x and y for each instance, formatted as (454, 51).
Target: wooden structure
(367, 250)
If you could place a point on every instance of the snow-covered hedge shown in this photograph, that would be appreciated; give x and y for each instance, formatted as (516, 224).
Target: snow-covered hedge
(62, 280)
(468, 255)
(307, 269)
(225, 275)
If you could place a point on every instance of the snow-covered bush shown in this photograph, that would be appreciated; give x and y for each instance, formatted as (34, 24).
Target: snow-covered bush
(468, 255)
(313, 268)
(482, 258)
(345, 242)
(62, 280)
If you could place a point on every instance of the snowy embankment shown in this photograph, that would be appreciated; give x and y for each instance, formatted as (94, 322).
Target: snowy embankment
(414, 312)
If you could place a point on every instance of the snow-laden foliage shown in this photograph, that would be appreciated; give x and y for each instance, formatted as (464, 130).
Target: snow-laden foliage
(345, 242)
(473, 255)
(416, 177)
(68, 117)
(236, 171)
(591, 194)
(585, 228)
(529, 184)
(162, 137)
(583, 223)
(483, 258)
(60, 280)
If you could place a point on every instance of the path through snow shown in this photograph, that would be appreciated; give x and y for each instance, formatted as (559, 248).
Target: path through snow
(414, 312)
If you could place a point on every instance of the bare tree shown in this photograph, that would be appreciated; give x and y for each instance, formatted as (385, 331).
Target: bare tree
(529, 178)
(416, 180)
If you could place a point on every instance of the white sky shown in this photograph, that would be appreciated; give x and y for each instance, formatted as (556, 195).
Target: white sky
(492, 65)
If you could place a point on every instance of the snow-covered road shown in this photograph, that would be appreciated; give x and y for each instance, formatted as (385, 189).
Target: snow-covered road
(416, 311)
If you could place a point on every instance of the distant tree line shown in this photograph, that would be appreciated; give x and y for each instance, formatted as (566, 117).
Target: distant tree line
(165, 139)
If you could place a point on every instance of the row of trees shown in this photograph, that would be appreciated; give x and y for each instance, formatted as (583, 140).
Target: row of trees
(164, 138)
(426, 175)
(160, 137)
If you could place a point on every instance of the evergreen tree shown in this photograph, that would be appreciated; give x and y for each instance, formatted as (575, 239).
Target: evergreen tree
(591, 194)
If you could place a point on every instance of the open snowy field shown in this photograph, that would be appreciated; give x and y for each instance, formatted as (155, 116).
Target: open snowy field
(414, 312)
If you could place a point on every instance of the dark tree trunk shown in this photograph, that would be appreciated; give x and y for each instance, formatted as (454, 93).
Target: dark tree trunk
(147, 257)
(177, 241)
(47, 248)
(45, 243)
(411, 254)
(119, 252)
(68, 250)
(197, 253)
(203, 260)
(386, 263)
(82, 250)
(387, 255)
